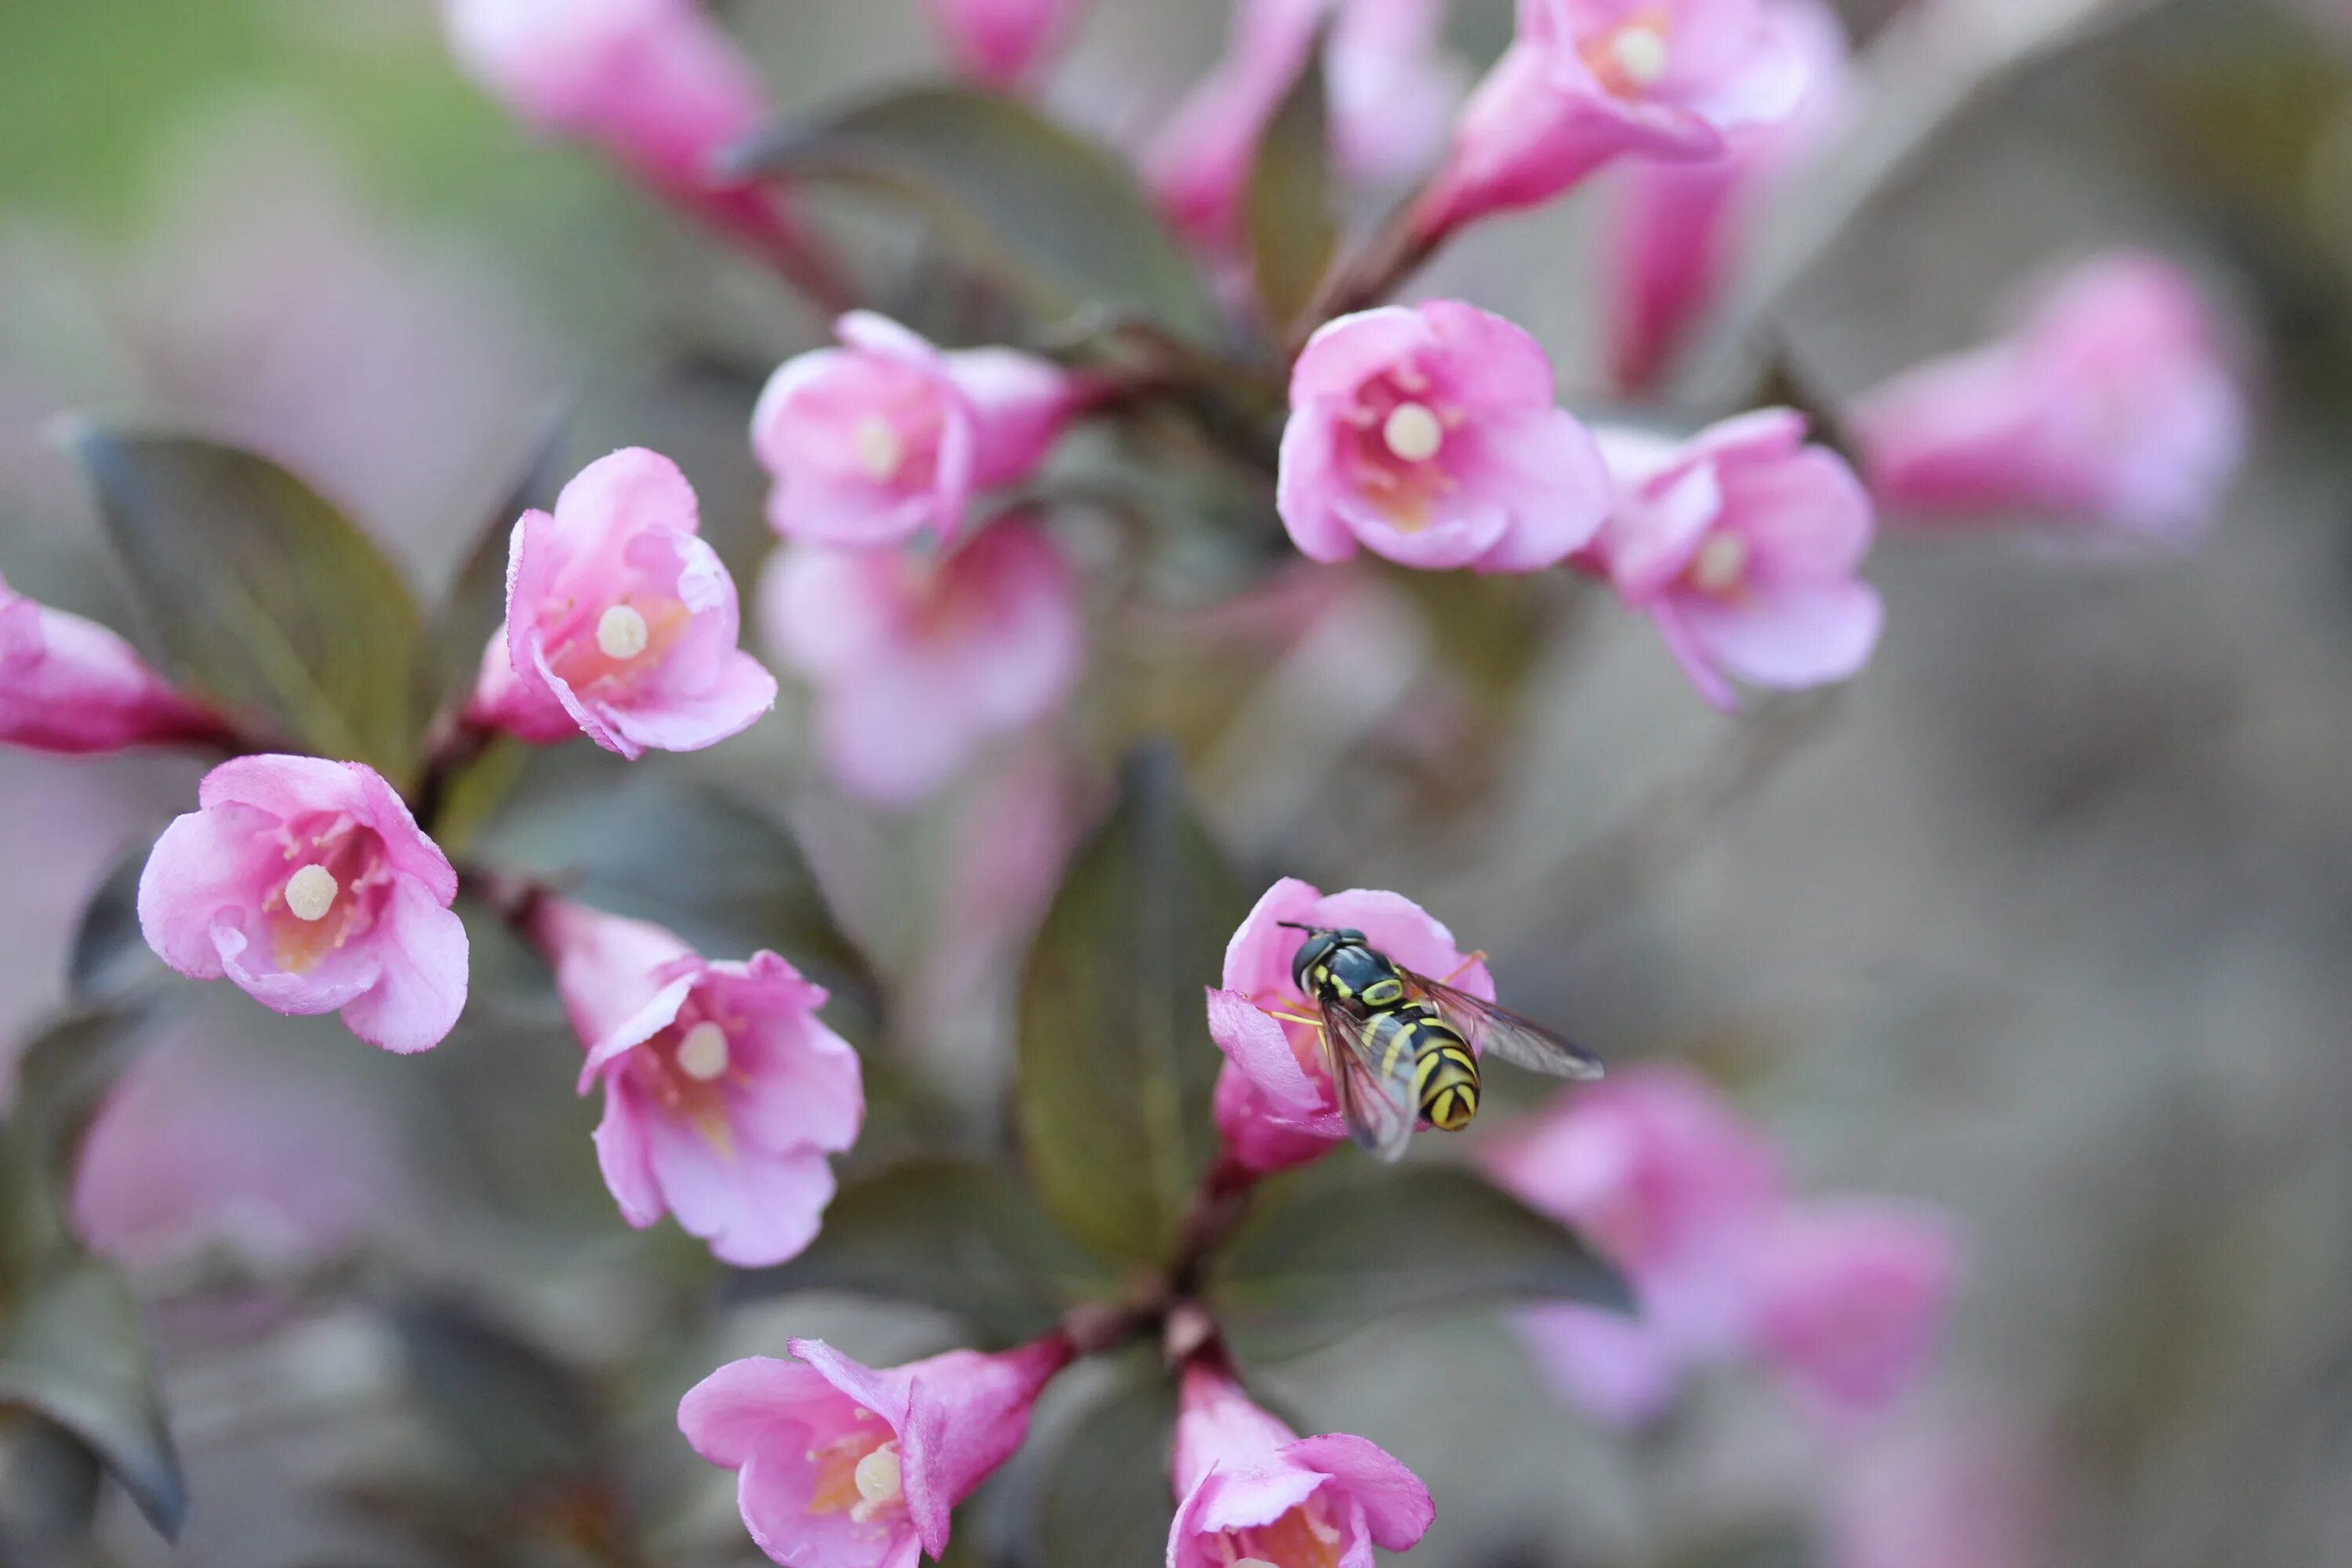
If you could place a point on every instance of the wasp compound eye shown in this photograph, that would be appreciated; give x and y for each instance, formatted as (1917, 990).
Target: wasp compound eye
(1312, 952)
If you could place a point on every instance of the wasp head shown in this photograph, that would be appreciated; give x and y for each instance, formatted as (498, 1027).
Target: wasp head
(1321, 942)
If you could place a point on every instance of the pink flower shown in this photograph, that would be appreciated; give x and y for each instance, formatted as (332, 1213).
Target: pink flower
(1288, 1105)
(871, 442)
(1742, 545)
(2112, 409)
(1429, 435)
(843, 1465)
(1587, 81)
(1002, 42)
(917, 661)
(1251, 1490)
(621, 622)
(308, 883)
(1675, 227)
(69, 685)
(1392, 90)
(1850, 1298)
(1977, 1492)
(723, 1090)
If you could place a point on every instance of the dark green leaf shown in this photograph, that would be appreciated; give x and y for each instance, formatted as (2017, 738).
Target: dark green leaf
(73, 1351)
(62, 1077)
(1116, 1064)
(476, 604)
(965, 1238)
(1102, 1497)
(1332, 1250)
(109, 958)
(260, 594)
(516, 1417)
(1060, 216)
(49, 1483)
(1294, 229)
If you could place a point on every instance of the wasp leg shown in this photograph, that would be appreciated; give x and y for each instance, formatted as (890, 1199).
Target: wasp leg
(1295, 1018)
(1463, 967)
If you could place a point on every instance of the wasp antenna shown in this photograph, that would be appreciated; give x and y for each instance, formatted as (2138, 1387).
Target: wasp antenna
(1293, 925)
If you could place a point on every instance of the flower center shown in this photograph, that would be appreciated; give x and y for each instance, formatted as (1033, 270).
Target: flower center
(858, 1473)
(702, 1055)
(1641, 54)
(310, 893)
(881, 450)
(1413, 433)
(622, 632)
(1302, 1538)
(1720, 565)
(879, 1482)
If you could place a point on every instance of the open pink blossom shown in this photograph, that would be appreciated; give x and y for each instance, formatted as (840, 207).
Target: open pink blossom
(308, 883)
(1002, 43)
(1675, 227)
(1850, 1297)
(1288, 1103)
(918, 660)
(724, 1091)
(1743, 545)
(874, 441)
(1251, 1490)
(1430, 435)
(1588, 81)
(621, 622)
(69, 685)
(843, 1465)
(2112, 410)
(1391, 91)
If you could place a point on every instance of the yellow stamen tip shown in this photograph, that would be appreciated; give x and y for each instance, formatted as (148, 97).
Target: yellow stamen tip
(702, 1055)
(881, 452)
(310, 892)
(1721, 563)
(622, 632)
(1641, 53)
(878, 1477)
(1414, 433)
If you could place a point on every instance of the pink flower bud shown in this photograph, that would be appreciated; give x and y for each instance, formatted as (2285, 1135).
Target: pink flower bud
(621, 622)
(69, 685)
(876, 440)
(1850, 1297)
(1587, 81)
(724, 1091)
(2112, 409)
(1002, 43)
(1743, 544)
(843, 1465)
(917, 661)
(1429, 435)
(1256, 1018)
(308, 883)
(1250, 1489)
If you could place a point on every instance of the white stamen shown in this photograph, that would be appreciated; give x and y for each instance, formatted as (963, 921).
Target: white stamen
(1254, 1562)
(877, 1478)
(880, 450)
(310, 892)
(1414, 433)
(1641, 54)
(622, 632)
(702, 1055)
(1721, 563)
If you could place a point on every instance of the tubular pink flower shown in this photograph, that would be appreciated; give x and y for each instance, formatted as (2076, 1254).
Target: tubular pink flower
(917, 662)
(621, 622)
(724, 1091)
(1002, 43)
(843, 1465)
(873, 442)
(1281, 1105)
(308, 883)
(2112, 409)
(70, 686)
(1428, 435)
(1587, 81)
(1850, 1298)
(1676, 226)
(1250, 1489)
(1743, 545)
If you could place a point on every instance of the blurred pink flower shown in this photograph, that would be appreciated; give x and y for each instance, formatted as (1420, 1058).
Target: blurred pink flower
(871, 442)
(1251, 1490)
(1588, 81)
(2111, 409)
(1850, 1299)
(918, 660)
(843, 1465)
(308, 883)
(621, 622)
(1743, 544)
(1430, 436)
(1002, 43)
(69, 685)
(724, 1091)
(1971, 1493)
(1391, 91)
(1675, 227)
(1288, 1104)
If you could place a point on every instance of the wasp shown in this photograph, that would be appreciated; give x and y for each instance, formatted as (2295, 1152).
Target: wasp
(1400, 1044)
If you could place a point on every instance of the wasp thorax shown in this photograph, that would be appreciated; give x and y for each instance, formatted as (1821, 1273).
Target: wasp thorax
(622, 632)
(702, 1055)
(881, 450)
(310, 893)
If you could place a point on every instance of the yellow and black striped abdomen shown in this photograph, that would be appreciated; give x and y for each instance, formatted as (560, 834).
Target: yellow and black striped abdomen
(1444, 1072)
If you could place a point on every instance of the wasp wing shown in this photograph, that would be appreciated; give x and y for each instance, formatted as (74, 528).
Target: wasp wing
(1499, 1032)
(1377, 1102)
